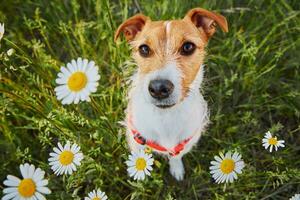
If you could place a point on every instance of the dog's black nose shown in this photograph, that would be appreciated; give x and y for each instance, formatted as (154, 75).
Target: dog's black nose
(160, 89)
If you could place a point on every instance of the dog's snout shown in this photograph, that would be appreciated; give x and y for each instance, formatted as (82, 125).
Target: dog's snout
(160, 89)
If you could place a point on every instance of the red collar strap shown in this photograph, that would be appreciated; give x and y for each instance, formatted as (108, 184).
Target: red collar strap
(154, 145)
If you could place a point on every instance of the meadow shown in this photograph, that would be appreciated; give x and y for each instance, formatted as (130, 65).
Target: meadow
(252, 85)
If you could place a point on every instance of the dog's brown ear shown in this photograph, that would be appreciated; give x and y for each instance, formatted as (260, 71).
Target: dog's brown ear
(207, 20)
(131, 27)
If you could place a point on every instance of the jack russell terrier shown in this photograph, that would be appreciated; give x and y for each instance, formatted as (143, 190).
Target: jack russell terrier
(166, 111)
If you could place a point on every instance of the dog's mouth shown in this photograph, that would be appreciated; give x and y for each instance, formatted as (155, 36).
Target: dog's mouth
(164, 103)
(165, 106)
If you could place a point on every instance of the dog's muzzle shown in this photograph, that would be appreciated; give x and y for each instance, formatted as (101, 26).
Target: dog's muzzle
(161, 90)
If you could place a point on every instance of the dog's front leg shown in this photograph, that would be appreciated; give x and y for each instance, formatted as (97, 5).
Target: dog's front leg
(176, 167)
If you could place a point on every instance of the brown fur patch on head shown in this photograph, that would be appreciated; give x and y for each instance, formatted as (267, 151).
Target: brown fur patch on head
(154, 36)
(165, 40)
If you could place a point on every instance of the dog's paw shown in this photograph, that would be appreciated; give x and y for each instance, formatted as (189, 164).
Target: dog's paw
(176, 168)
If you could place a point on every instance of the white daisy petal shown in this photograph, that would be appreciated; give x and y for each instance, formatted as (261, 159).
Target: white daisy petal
(131, 170)
(236, 156)
(268, 135)
(12, 181)
(73, 166)
(93, 75)
(9, 190)
(62, 95)
(67, 146)
(281, 145)
(77, 98)
(218, 159)
(74, 148)
(214, 163)
(214, 167)
(149, 168)
(39, 196)
(43, 190)
(79, 64)
(66, 73)
(10, 196)
(31, 170)
(61, 148)
(92, 86)
(24, 171)
(84, 64)
(43, 182)
(295, 197)
(147, 172)
(2, 30)
(90, 65)
(52, 159)
(61, 88)
(74, 65)
(68, 99)
(61, 80)
(70, 68)
(69, 169)
(228, 154)
(38, 175)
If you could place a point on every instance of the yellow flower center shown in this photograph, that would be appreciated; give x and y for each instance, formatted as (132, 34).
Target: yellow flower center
(96, 198)
(66, 157)
(26, 187)
(77, 81)
(273, 141)
(140, 164)
(227, 166)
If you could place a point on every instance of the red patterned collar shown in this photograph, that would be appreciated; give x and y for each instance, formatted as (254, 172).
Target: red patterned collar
(154, 145)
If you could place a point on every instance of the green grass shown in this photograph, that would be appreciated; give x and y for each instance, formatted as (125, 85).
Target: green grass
(252, 84)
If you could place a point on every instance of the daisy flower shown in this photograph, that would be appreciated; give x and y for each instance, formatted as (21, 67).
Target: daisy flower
(96, 195)
(295, 197)
(32, 186)
(77, 81)
(139, 165)
(270, 141)
(1, 30)
(225, 168)
(64, 159)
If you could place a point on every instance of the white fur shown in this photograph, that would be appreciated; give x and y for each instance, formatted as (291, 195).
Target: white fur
(170, 126)
(168, 28)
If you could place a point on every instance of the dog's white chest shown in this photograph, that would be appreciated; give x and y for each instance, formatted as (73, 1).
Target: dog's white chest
(169, 127)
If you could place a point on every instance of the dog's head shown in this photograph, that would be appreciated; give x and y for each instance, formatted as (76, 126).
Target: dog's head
(169, 53)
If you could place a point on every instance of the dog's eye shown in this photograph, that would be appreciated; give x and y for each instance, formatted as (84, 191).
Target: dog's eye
(144, 50)
(187, 48)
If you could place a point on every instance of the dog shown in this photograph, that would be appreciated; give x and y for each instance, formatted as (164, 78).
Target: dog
(166, 111)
